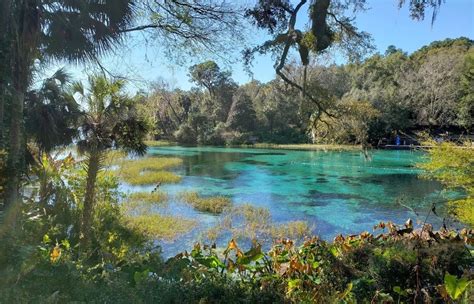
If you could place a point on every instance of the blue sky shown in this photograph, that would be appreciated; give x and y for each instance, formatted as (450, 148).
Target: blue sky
(384, 21)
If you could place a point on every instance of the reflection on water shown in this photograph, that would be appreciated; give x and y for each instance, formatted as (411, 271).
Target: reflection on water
(337, 192)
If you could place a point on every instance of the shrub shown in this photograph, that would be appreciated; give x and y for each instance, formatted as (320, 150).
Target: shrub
(185, 135)
(453, 165)
(401, 265)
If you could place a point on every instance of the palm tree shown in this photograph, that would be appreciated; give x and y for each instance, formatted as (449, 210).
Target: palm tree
(52, 114)
(110, 121)
(76, 31)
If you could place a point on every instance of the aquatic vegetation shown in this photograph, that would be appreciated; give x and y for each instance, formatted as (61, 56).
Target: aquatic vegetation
(149, 197)
(215, 204)
(136, 166)
(159, 226)
(139, 215)
(291, 230)
(146, 171)
(144, 200)
(149, 178)
(247, 222)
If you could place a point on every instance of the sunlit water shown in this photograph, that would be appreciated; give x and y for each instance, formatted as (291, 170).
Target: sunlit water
(336, 192)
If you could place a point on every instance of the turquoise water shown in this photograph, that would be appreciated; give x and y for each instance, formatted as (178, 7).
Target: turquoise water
(336, 192)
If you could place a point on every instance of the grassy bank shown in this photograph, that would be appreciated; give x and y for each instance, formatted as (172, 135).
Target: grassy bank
(159, 143)
(304, 147)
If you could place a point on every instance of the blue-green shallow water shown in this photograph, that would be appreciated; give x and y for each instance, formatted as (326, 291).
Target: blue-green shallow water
(336, 192)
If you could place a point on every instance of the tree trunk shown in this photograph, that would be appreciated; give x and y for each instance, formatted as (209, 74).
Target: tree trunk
(93, 167)
(24, 33)
(15, 163)
(4, 35)
(2, 115)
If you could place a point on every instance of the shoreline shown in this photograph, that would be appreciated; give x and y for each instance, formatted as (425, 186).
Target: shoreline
(294, 147)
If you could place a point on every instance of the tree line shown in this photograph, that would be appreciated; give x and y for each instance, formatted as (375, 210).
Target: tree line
(364, 102)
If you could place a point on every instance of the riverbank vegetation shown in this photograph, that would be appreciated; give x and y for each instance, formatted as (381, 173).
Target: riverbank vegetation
(453, 165)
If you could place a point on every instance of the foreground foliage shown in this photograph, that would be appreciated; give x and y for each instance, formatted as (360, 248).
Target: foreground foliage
(401, 265)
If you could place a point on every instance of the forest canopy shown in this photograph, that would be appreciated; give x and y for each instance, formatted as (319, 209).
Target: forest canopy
(367, 101)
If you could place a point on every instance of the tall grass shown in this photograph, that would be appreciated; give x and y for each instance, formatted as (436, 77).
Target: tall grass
(215, 205)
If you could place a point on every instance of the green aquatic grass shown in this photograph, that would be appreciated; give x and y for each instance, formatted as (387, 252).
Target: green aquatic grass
(149, 197)
(149, 178)
(158, 226)
(139, 215)
(150, 170)
(144, 201)
(250, 222)
(135, 166)
(215, 204)
(292, 230)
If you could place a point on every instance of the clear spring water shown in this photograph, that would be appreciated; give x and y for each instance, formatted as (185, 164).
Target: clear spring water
(336, 192)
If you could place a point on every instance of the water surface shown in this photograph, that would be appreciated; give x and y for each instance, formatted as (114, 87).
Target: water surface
(336, 192)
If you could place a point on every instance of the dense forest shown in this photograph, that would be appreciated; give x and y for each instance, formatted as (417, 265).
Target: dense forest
(368, 101)
(69, 233)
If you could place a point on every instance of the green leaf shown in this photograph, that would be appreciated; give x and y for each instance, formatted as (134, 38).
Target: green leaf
(293, 284)
(399, 290)
(454, 286)
(140, 276)
(210, 261)
(46, 239)
(66, 244)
